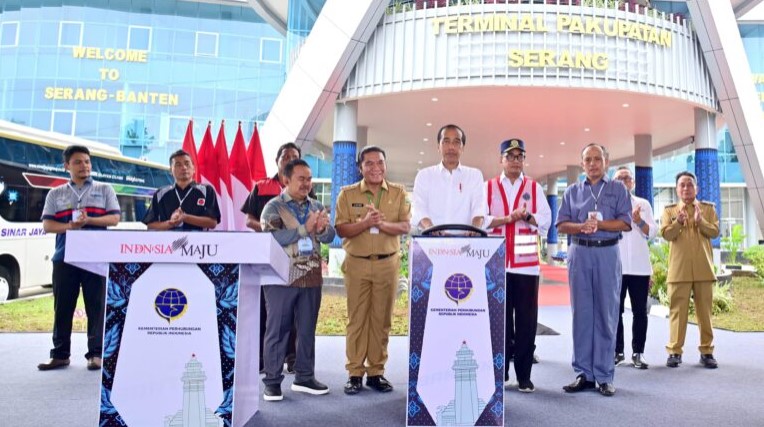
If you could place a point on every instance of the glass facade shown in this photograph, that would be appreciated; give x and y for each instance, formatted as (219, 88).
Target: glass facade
(302, 16)
(132, 73)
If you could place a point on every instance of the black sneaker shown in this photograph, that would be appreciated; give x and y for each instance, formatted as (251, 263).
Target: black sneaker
(674, 360)
(708, 361)
(526, 387)
(619, 357)
(310, 386)
(639, 361)
(273, 393)
(354, 385)
(379, 383)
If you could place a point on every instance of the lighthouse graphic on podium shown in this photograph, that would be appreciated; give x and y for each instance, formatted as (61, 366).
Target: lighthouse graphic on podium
(466, 407)
(194, 412)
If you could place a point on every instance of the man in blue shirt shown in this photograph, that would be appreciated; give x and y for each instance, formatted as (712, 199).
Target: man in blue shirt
(594, 212)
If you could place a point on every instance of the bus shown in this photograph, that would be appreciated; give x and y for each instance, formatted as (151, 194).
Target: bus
(31, 163)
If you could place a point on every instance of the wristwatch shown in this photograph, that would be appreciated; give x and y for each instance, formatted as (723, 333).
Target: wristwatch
(528, 217)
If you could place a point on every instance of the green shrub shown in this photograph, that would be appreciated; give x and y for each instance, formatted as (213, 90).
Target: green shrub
(722, 301)
(659, 259)
(404, 271)
(733, 243)
(755, 254)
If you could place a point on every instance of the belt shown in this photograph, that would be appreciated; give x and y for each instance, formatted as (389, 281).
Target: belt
(375, 257)
(595, 243)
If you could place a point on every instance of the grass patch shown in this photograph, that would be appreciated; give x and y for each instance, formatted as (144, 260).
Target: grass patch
(747, 314)
(34, 315)
(333, 317)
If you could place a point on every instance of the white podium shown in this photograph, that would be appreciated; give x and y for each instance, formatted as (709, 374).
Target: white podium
(182, 322)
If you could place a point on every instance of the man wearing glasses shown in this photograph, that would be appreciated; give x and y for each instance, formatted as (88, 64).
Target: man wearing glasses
(519, 211)
(636, 272)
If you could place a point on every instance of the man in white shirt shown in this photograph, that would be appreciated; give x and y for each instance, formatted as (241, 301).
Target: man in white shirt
(449, 192)
(636, 271)
(519, 211)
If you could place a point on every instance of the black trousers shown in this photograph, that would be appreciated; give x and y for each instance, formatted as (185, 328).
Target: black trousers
(67, 280)
(290, 307)
(637, 286)
(521, 317)
(291, 343)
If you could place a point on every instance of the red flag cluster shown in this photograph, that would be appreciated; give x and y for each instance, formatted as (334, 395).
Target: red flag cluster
(232, 177)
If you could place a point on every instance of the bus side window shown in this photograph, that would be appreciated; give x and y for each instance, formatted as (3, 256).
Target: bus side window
(13, 204)
(36, 204)
(127, 206)
(141, 207)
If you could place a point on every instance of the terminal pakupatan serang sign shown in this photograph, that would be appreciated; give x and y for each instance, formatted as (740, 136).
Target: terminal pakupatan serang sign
(533, 45)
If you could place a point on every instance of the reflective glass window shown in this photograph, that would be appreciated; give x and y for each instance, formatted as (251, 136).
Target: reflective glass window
(270, 50)
(206, 44)
(69, 33)
(139, 38)
(62, 121)
(9, 34)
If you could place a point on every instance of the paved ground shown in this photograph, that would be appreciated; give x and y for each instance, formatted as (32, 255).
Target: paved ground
(687, 396)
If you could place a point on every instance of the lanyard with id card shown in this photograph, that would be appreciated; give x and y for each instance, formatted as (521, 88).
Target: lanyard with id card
(595, 214)
(77, 213)
(305, 244)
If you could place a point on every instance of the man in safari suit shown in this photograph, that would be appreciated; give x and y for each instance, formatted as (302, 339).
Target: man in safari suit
(689, 226)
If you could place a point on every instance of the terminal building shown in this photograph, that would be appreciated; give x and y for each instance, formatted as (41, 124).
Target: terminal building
(667, 86)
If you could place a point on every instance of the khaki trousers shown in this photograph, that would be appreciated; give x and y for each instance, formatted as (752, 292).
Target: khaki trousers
(370, 287)
(679, 305)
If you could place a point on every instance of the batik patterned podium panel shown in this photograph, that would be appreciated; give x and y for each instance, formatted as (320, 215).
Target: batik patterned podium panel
(456, 343)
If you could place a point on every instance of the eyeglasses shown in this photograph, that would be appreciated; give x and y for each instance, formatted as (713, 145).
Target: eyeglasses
(624, 178)
(517, 158)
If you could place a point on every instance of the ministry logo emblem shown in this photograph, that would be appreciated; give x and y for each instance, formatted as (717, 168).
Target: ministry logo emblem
(171, 304)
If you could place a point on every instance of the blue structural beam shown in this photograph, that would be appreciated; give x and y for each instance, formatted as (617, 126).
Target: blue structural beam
(344, 172)
(707, 172)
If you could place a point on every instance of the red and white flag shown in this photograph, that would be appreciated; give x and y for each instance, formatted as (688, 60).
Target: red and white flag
(208, 163)
(241, 180)
(189, 146)
(225, 197)
(255, 157)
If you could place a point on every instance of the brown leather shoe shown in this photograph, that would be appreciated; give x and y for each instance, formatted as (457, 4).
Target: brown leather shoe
(53, 364)
(94, 363)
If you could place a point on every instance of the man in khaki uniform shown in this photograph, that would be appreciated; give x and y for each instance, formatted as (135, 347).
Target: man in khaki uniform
(371, 215)
(689, 226)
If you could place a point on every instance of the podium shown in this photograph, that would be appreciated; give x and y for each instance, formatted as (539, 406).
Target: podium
(456, 331)
(182, 322)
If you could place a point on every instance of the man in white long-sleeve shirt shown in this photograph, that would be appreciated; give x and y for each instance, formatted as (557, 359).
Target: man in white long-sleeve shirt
(636, 272)
(519, 211)
(449, 192)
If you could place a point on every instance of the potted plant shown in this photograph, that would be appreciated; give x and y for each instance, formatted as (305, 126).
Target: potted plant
(732, 244)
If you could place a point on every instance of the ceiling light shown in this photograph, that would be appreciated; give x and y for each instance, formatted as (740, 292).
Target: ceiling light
(434, 99)
(586, 129)
(428, 124)
(625, 105)
(425, 139)
(419, 162)
(562, 143)
(541, 156)
(421, 153)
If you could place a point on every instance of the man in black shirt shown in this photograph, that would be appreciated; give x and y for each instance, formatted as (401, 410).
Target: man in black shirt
(186, 205)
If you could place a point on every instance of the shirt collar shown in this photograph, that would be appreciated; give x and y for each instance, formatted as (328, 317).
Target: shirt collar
(288, 198)
(605, 179)
(442, 168)
(88, 181)
(365, 188)
(504, 177)
(190, 186)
